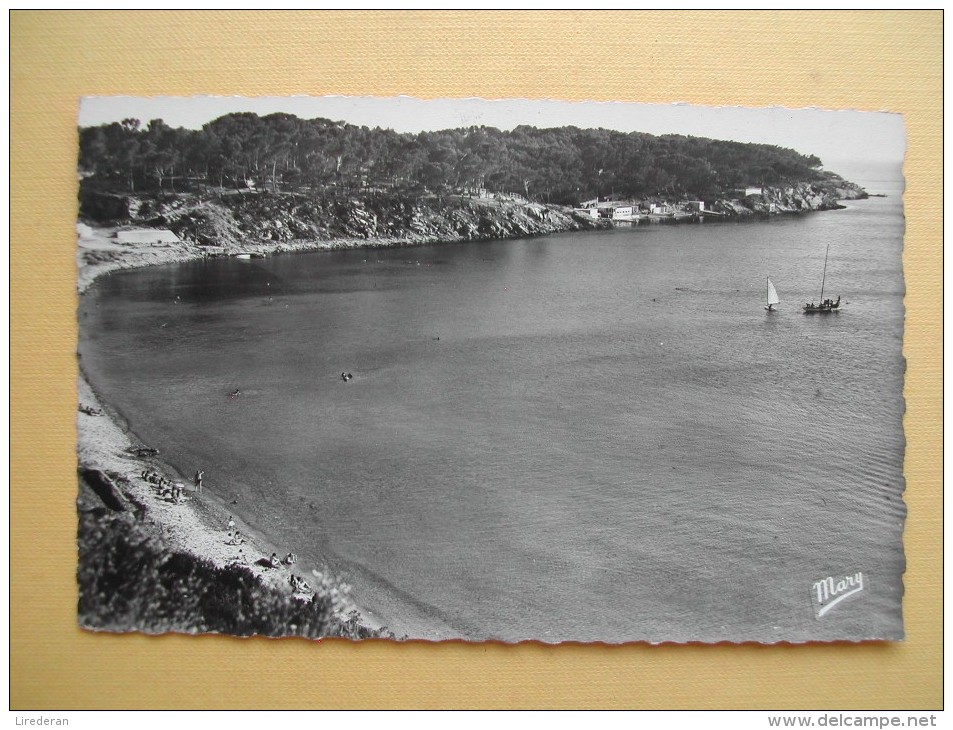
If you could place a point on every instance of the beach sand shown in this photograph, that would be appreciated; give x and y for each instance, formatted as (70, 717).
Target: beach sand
(200, 524)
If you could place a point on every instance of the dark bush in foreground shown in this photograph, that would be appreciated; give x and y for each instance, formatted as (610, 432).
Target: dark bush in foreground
(128, 580)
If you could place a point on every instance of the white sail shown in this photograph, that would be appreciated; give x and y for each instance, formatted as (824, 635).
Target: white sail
(772, 293)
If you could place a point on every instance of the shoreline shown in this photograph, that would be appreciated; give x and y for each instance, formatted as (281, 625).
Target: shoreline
(99, 254)
(200, 525)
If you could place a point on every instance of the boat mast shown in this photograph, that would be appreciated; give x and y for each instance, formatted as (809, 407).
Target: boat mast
(824, 277)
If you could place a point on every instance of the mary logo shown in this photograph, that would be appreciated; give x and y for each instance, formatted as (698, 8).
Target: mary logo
(829, 592)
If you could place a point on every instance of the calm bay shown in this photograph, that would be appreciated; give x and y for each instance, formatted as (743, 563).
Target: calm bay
(596, 436)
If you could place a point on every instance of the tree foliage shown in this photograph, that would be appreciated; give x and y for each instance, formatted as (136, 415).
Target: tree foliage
(283, 153)
(129, 580)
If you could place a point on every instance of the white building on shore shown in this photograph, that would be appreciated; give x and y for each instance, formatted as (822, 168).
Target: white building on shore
(625, 212)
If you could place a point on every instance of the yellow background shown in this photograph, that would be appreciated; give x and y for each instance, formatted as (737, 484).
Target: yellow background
(872, 60)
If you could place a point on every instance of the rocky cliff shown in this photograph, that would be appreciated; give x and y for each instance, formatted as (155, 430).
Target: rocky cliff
(793, 198)
(236, 219)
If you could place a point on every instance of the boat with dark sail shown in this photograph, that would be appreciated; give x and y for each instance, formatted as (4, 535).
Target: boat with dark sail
(826, 306)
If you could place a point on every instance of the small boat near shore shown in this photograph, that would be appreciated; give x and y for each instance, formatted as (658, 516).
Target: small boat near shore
(826, 306)
(249, 255)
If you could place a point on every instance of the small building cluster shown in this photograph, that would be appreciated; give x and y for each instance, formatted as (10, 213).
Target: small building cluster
(632, 210)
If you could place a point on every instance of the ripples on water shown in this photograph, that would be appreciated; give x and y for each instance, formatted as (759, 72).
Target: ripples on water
(597, 436)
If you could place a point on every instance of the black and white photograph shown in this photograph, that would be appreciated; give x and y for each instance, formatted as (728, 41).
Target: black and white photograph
(490, 370)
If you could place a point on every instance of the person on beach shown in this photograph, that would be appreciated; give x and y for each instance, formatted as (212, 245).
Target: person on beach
(299, 585)
(198, 480)
(275, 562)
(291, 559)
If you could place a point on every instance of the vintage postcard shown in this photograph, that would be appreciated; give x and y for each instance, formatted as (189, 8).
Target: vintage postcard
(490, 370)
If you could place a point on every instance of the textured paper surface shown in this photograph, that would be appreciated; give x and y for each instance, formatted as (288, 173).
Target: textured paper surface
(853, 59)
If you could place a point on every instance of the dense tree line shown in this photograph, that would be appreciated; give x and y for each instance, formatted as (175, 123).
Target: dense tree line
(283, 153)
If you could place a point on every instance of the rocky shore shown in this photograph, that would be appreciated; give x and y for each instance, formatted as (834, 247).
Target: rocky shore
(794, 198)
(226, 223)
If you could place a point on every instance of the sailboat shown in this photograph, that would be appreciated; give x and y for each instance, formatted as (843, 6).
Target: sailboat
(772, 296)
(827, 305)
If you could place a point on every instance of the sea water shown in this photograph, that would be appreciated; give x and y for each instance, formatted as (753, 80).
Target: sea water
(596, 436)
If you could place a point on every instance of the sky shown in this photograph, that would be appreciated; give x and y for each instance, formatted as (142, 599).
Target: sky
(844, 140)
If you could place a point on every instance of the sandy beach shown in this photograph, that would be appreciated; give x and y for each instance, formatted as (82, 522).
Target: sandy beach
(200, 523)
